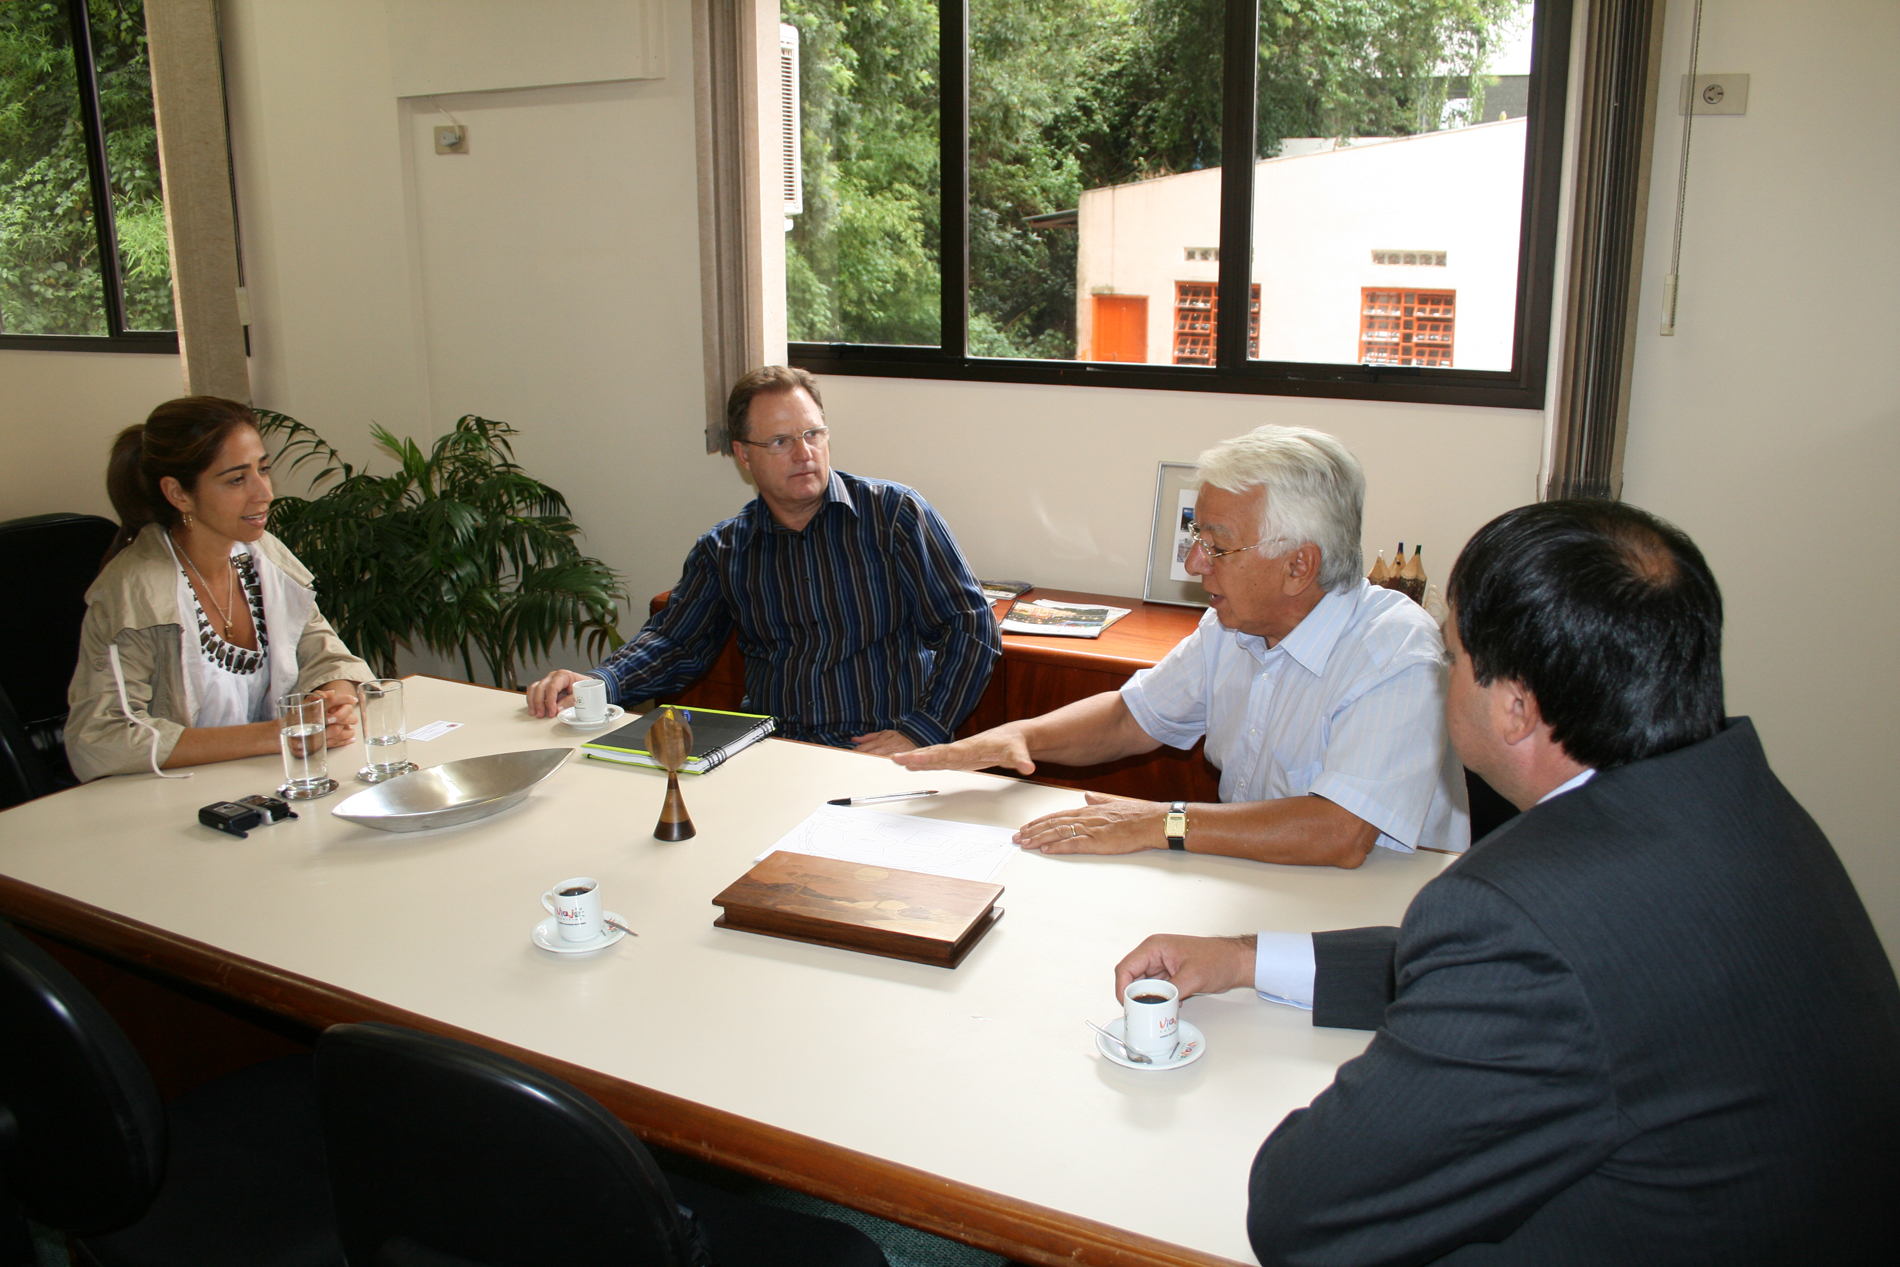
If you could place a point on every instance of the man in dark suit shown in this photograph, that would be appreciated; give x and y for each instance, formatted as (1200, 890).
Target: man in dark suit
(1647, 1020)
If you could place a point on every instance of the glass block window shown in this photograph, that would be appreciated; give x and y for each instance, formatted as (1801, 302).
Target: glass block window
(1196, 307)
(1406, 327)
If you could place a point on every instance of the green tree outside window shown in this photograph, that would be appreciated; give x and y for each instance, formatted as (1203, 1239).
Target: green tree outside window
(51, 279)
(1067, 95)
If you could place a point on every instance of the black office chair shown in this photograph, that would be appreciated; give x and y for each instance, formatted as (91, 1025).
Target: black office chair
(46, 564)
(229, 1175)
(23, 775)
(447, 1155)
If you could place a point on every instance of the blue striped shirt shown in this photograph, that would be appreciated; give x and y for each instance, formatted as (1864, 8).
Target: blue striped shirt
(1349, 706)
(867, 619)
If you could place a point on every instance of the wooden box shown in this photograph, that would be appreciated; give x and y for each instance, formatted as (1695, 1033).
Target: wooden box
(898, 914)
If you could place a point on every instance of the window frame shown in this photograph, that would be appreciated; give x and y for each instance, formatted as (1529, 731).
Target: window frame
(1522, 387)
(117, 338)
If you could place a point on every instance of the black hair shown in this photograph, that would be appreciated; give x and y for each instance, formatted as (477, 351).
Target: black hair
(1609, 615)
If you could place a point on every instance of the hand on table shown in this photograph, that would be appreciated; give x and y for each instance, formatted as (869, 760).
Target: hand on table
(552, 693)
(884, 743)
(1000, 747)
(339, 713)
(1107, 824)
(1196, 965)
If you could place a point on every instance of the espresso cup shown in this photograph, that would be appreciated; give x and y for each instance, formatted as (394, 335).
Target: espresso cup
(575, 904)
(590, 700)
(1151, 1012)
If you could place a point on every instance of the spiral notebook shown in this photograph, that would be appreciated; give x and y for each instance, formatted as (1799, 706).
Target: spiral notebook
(718, 736)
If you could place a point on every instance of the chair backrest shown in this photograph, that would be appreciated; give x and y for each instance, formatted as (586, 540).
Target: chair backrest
(47, 562)
(87, 1148)
(23, 776)
(442, 1152)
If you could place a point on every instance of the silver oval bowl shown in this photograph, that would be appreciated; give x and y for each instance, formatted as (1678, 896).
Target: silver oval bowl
(453, 792)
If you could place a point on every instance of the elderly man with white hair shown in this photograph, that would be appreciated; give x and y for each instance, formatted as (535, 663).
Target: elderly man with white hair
(1321, 697)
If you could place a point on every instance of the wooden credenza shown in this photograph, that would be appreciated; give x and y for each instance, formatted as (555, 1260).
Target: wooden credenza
(1040, 672)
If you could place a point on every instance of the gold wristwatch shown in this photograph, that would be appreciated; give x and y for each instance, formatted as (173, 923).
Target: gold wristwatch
(1176, 826)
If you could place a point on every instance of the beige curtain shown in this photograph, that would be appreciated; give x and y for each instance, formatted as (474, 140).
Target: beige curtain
(194, 159)
(741, 213)
(1618, 62)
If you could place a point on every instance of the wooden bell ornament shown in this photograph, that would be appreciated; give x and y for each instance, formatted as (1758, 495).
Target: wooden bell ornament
(670, 740)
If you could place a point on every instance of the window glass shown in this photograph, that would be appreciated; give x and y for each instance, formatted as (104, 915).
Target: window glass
(1076, 108)
(51, 280)
(124, 76)
(862, 258)
(1391, 156)
(1391, 151)
(49, 250)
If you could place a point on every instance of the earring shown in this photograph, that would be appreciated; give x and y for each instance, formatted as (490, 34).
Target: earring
(188, 519)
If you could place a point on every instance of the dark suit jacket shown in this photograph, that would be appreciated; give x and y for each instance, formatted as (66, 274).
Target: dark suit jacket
(1647, 1021)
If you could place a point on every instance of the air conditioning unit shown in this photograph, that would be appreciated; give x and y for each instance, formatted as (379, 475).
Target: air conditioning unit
(791, 155)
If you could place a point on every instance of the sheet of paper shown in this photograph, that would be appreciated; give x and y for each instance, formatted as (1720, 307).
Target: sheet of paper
(963, 851)
(434, 730)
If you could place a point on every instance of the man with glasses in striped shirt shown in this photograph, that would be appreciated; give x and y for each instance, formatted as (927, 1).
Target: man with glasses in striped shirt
(1321, 697)
(860, 622)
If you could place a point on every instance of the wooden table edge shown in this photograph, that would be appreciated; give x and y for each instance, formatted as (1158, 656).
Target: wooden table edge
(903, 1194)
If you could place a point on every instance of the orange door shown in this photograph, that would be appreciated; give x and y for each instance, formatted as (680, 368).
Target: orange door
(1121, 328)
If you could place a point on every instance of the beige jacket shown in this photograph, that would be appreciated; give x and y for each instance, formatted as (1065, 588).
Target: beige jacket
(134, 604)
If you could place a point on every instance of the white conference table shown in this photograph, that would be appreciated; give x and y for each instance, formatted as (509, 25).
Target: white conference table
(969, 1102)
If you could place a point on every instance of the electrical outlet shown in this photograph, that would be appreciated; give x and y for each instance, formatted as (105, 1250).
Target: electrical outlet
(451, 138)
(1715, 94)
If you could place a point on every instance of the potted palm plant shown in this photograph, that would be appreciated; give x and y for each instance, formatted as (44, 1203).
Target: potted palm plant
(457, 549)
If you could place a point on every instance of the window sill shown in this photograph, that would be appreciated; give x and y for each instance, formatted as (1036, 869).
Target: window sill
(162, 341)
(1502, 390)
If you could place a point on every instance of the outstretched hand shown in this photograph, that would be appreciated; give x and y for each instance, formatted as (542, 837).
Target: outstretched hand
(1000, 747)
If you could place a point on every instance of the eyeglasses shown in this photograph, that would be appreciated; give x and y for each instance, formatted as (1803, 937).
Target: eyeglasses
(813, 437)
(1213, 555)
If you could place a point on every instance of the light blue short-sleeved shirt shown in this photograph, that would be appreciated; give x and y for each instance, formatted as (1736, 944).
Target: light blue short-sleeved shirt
(1349, 706)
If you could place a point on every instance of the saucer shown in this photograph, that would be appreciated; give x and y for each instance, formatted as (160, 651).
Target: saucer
(547, 935)
(1193, 1044)
(614, 714)
(315, 792)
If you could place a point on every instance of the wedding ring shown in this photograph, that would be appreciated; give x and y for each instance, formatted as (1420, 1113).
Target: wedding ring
(1074, 830)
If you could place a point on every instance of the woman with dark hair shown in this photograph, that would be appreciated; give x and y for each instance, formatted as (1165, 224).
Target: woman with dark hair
(200, 619)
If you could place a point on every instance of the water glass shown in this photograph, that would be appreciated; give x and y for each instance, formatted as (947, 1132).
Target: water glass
(385, 738)
(306, 747)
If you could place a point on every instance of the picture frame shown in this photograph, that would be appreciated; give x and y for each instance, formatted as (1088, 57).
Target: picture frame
(1167, 582)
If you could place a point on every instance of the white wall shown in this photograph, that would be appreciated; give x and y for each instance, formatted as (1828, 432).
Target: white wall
(329, 262)
(1769, 425)
(1057, 484)
(58, 414)
(548, 277)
